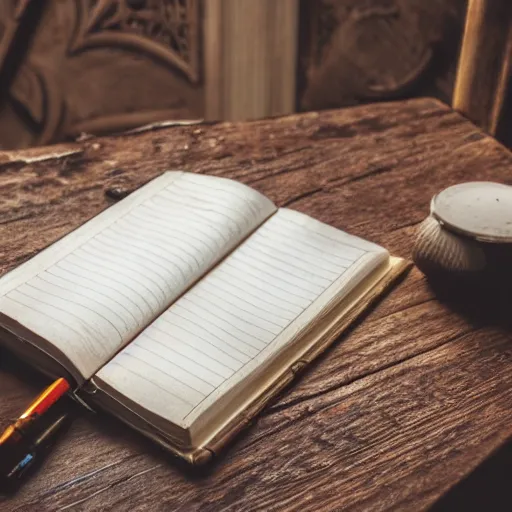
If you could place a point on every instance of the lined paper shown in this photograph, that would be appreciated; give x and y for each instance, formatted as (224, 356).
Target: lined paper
(238, 315)
(93, 299)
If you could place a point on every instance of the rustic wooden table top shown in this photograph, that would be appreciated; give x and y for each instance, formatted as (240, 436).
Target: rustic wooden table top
(409, 402)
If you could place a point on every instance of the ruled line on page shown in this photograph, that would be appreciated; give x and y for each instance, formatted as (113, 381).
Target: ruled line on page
(242, 306)
(283, 230)
(120, 278)
(260, 309)
(288, 243)
(202, 372)
(138, 375)
(176, 374)
(199, 197)
(213, 340)
(191, 352)
(86, 297)
(306, 260)
(56, 273)
(250, 296)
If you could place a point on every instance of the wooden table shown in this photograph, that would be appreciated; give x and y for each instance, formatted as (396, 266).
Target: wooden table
(400, 410)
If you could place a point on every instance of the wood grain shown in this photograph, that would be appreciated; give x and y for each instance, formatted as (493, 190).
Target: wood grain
(485, 64)
(413, 399)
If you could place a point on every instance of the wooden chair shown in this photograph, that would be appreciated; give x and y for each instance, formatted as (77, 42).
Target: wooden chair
(484, 69)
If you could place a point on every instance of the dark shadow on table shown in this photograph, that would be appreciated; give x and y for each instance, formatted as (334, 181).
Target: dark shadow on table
(483, 303)
(488, 488)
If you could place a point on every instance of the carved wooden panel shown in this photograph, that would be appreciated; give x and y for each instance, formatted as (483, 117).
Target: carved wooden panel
(165, 29)
(362, 50)
(99, 66)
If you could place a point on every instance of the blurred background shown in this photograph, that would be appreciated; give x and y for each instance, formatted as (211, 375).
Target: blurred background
(74, 67)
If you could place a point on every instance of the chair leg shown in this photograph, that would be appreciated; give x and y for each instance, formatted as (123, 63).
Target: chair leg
(485, 63)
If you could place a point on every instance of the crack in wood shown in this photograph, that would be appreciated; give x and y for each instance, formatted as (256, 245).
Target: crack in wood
(306, 398)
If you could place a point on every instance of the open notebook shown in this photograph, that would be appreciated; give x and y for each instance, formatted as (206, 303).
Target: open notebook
(183, 308)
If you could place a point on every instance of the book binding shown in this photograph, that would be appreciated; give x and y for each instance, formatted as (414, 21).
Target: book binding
(336, 325)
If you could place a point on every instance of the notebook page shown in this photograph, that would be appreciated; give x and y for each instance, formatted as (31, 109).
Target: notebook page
(94, 290)
(239, 315)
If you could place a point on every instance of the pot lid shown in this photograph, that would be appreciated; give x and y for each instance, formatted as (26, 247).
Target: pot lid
(479, 209)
